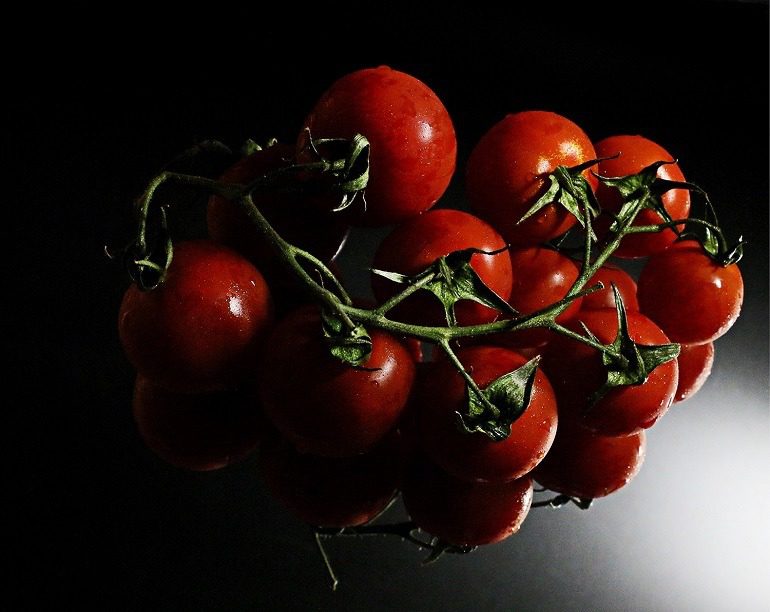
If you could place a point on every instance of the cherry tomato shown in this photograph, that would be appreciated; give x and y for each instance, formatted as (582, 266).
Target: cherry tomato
(605, 298)
(411, 247)
(475, 457)
(587, 465)
(413, 144)
(576, 372)
(636, 153)
(322, 405)
(507, 172)
(465, 513)
(330, 491)
(197, 431)
(201, 329)
(691, 297)
(695, 362)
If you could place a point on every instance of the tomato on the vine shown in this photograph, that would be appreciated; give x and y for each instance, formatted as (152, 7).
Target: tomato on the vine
(507, 171)
(695, 363)
(610, 275)
(200, 329)
(474, 456)
(693, 298)
(413, 144)
(322, 405)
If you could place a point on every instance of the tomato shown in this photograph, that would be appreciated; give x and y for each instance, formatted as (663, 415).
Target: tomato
(330, 491)
(465, 513)
(605, 298)
(413, 144)
(475, 457)
(636, 153)
(197, 431)
(576, 372)
(587, 465)
(695, 362)
(411, 247)
(201, 329)
(508, 168)
(693, 299)
(322, 405)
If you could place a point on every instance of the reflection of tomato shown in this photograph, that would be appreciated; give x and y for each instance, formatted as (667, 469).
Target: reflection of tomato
(691, 297)
(464, 513)
(576, 372)
(586, 465)
(695, 362)
(202, 432)
(414, 245)
(331, 492)
(475, 456)
(201, 329)
(605, 298)
(636, 153)
(507, 172)
(413, 144)
(322, 405)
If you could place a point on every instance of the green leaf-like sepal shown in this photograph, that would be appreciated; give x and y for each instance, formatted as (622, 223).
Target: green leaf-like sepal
(351, 346)
(504, 401)
(635, 361)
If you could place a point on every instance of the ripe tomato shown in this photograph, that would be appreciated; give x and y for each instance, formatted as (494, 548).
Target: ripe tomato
(322, 405)
(587, 465)
(417, 243)
(330, 491)
(636, 153)
(695, 362)
(201, 329)
(507, 172)
(576, 372)
(691, 297)
(197, 431)
(607, 275)
(475, 457)
(413, 144)
(465, 513)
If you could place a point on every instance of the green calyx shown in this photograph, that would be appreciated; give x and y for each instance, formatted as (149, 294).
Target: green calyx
(351, 345)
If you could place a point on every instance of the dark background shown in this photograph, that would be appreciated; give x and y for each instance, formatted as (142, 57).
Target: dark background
(98, 522)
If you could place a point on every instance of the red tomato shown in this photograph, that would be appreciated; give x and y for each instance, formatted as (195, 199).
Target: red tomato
(691, 297)
(413, 246)
(413, 144)
(607, 275)
(576, 372)
(475, 457)
(695, 362)
(202, 328)
(465, 513)
(507, 172)
(586, 465)
(197, 431)
(330, 491)
(322, 405)
(636, 153)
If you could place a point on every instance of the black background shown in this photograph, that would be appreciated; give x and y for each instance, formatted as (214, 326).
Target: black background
(99, 522)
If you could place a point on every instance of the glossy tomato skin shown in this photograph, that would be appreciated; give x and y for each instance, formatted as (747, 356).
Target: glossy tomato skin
(330, 491)
(636, 153)
(197, 431)
(413, 143)
(464, 513)
(587, 465)
(475, 457)
(412, 246)
(691, 297)
(695, 363)
(326, 407)
(576, 372)
(201, 329)
(508, 168)
(605, 298)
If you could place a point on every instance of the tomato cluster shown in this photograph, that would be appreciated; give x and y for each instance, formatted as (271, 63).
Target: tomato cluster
(232, 356)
